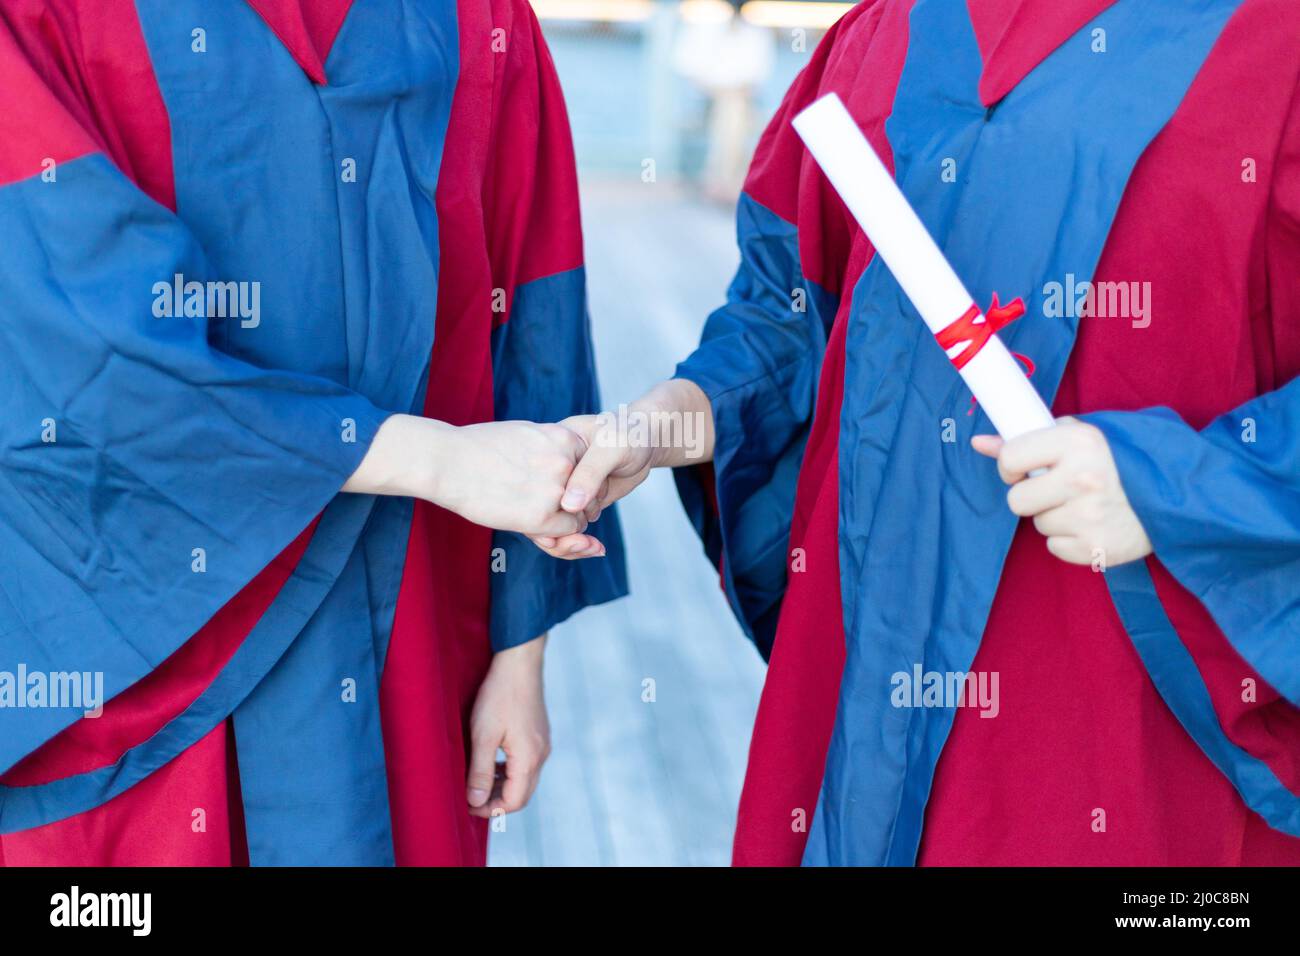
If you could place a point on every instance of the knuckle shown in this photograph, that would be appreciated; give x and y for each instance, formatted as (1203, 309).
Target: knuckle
(1086, 481)
(539, 514)
(1088, 438)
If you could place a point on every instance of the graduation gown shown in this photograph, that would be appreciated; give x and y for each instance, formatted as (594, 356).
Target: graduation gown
(1146, 714)
(239, 236)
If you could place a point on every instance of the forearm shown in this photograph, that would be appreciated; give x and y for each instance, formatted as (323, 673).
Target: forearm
(504, 475)
(402, 459)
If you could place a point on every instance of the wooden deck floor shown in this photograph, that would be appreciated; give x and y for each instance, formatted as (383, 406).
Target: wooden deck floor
(631, 782)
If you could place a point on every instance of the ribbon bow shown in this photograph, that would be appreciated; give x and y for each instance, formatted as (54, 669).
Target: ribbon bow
(974, 330)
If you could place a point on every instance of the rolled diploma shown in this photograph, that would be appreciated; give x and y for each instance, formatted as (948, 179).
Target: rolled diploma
(994, 377)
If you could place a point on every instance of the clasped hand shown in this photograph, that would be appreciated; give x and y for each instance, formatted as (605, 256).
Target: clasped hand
(548, 481)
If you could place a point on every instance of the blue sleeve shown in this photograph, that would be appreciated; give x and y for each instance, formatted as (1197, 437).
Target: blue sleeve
(758, 363)
(147, 477)
(544, 371)
(1222, 509)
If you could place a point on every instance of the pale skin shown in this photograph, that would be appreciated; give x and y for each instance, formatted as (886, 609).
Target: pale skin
(1078, 504)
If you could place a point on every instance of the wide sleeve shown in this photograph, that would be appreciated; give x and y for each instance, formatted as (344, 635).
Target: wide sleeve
(758, 363)
(543, 364)
(145, 476)
(1221, 504)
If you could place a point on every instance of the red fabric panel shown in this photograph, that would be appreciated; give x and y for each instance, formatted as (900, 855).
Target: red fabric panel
(508, 213)
(152, 824)
(36, 121)
(307, 29)
(1014, 36)
(61, 99)
(530, 205)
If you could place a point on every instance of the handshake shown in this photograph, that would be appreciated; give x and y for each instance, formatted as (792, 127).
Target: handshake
(547, 481)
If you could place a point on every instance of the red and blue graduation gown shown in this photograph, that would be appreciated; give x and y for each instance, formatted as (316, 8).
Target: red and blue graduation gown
(1147, 714)
(288, 670)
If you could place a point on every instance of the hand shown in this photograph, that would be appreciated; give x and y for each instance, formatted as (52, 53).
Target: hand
(510, 475)
(609, 469)
(1078, 504)
(614, 464)
(510, 714)
(506, 475)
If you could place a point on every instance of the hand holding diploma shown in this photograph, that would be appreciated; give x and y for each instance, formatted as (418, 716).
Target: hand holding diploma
(1066, 480)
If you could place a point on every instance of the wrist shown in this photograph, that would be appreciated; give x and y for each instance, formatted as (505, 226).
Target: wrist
(680, 397)
(433, 466)
(524, 656)
(407, 457)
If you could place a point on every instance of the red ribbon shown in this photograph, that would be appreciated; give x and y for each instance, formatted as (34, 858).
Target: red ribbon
(975, 335)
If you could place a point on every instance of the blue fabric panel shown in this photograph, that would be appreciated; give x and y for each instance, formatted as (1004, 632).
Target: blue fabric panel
(544, 370)
(22, 808)
(758, 363)
(1175, 675)
(924, 526)
(1223, 515)
(317, 713)
(163, 444)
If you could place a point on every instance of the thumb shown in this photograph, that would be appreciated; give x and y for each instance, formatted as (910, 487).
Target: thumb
(589, 476)
(482, 771)
(988, 445)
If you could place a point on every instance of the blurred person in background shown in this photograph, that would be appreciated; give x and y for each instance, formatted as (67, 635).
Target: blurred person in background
(728, 59)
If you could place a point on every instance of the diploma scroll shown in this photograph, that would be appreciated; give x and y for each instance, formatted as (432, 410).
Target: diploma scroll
(965, 333)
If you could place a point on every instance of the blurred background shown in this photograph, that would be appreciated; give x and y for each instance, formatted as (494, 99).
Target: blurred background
(652, 698)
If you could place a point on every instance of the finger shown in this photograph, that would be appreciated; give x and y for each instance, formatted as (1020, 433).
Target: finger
(550, 544)
(571, 547)
(1069, 550)
(586, 426)
(1035, 495)
(561, 523)
(988, 445)
(1057, 522)
(494, 804)
(569, 440)
(1038, 449)
(588, 476)
(522, 773)
(482, 770)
